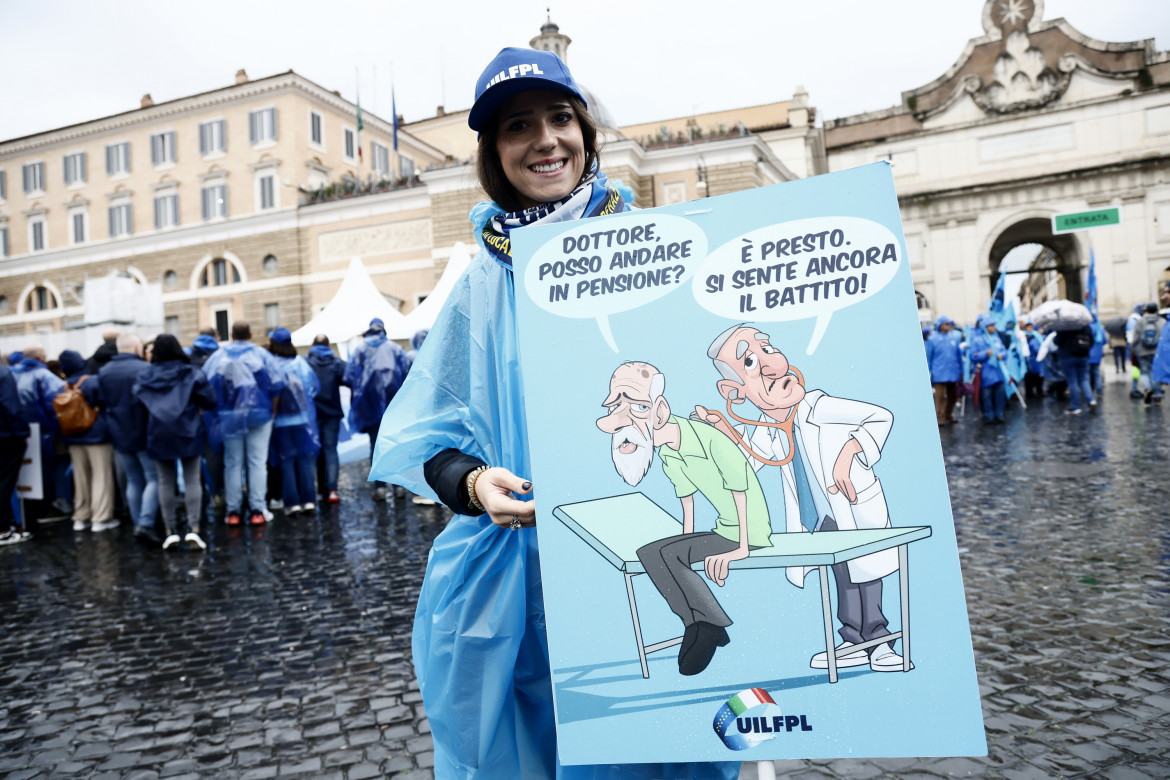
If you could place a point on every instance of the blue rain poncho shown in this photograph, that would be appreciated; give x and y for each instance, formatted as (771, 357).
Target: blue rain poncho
(173, 393)
(245, 379)
(294, 429)
(479, 644)
(981, 343)
(1162, 358)
(38, 386)
(374, 373)
(943, 354)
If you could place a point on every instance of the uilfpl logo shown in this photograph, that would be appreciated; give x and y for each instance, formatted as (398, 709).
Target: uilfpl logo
(751, 717)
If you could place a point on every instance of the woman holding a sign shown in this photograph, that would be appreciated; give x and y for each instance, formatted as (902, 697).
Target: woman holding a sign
(479, 643)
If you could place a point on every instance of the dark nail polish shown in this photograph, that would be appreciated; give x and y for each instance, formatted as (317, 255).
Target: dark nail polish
(526, 486)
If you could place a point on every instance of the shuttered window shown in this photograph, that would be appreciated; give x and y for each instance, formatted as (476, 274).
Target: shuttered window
(33, 176)
(75, 172)
(162, 148)
(77, 225)
(121, 220)
(267, 196)
(3, 185)
(36, 234)
(3, 242)
(214, 198)
(262, 125)
(349, 150)
(213, 137)
(166, 211)
(315, 132)
(118, 158)
(380, 155)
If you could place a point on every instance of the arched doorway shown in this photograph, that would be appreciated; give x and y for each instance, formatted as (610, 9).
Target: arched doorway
(1052, 263)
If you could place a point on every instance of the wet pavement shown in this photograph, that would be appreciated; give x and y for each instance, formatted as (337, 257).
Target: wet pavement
(285, 651)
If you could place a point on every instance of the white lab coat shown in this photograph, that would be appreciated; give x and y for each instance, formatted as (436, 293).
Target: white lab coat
(823, 425)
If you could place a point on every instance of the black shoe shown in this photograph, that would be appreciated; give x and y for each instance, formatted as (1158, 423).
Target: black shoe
(690, 634)
(147, 536)
(696, 659)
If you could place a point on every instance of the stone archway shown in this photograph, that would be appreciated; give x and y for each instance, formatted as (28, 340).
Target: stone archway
(1064, 257)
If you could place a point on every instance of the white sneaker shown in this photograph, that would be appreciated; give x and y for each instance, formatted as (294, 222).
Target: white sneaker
(194, 538)
(856, 658)
(80, 525)
(292, 510)
(885, 659)
(424, 501)
(267, 515)
(276, 503)
(105, 525)
(309, 507)
(171, 540)
(14, 537)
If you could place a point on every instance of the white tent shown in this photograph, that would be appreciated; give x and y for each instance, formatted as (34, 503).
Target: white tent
(349, 313)
(423, 316)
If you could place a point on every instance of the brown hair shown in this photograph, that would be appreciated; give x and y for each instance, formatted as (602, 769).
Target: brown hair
(282, 349)
(491, 172)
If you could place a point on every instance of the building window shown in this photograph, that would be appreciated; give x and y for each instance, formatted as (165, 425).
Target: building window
(270, 265)
(170, 280)
(3, 185)
(166, 210)
(118, 158)
(33, 175)
(121, 220)
(216, 274)
(265, 191)
(380, 155)
(350, 154)
(316, 134)
(78, 225)
(172, 325)
(213, 137)
(36, 233)
(4, 241)
(214, 201)
(162, 148)
(75, 169)
(262, 125)
(271, 316)
(405, 167)
(223, 323)
(41, 299)
(4, 305)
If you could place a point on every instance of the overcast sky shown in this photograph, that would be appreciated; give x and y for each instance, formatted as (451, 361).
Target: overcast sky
(67, 62)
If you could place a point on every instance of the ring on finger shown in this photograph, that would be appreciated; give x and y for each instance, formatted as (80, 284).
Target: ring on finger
(515, 524)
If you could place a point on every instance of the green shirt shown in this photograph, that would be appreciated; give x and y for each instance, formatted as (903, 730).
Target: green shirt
(710, 463)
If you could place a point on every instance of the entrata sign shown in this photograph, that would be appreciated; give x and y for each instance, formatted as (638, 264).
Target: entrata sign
(1085, 220)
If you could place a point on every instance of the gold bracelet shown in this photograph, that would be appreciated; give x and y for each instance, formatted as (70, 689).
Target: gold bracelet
(472, 476)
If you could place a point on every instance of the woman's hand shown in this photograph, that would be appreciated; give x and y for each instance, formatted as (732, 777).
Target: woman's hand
(494, 489)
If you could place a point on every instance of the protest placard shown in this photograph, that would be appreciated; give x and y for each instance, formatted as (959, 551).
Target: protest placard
(737, 468)
(30, 483)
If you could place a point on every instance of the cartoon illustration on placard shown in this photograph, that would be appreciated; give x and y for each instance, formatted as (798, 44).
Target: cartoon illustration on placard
(697, 458)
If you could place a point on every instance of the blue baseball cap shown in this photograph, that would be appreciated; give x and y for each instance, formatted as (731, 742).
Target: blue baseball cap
(517, 70)
(280, 336)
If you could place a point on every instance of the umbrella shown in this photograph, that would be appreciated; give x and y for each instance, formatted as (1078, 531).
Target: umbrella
(1060, 315)
(1115, 326)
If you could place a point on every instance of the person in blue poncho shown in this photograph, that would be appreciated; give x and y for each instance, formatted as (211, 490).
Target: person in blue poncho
(173, 391)
(1033, 380)
(330, 371)
(295, 441)
(416, 342)
(37, 387)
(988, 352)
(247, 382)
(456, 432)
(376, 370)
(946, 368)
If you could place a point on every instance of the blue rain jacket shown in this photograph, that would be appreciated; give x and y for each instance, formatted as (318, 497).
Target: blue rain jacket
(1033, 349)
(375, 372)
(126, 414)
(172, 393)
(980, 343)
(479, 644)
(330, 371)
(202, 348)
(294, 430)
(245, 379)
(38, 386)
(1162, 357)
(11, 414)
(943, 356)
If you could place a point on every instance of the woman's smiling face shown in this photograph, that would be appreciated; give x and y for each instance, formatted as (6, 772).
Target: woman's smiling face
(540, 146)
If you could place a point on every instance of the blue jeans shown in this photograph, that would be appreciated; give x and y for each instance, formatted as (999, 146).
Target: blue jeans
(1147, 364)
(992, 401)
(1076, 371)
(252, 446)
(141, 487)
(297, 480)
(327, 428)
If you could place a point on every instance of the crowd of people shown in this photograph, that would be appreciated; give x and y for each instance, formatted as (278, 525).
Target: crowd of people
(167, 437)
(989, 365)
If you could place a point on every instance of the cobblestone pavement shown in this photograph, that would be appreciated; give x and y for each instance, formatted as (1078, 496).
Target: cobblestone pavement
(284, 651)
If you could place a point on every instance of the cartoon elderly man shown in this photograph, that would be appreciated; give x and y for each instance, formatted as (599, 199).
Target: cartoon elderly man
(698, 459)
(825, 449)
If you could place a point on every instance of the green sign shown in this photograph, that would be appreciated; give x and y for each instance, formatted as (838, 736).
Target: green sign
(1085, 220)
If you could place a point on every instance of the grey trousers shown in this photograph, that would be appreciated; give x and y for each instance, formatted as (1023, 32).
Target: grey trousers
(668, 562)
(167, 489)
(859, 604)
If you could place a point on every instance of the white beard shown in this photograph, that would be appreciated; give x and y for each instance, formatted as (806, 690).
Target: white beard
(634, 466)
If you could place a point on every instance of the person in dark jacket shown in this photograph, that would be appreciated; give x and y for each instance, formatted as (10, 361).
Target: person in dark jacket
(173, 393)
(1072, 349)
(127, 421)
(13, 440)
(91, 454)
(330, 371)
(38, 386)
(105, 352)
(201, 349)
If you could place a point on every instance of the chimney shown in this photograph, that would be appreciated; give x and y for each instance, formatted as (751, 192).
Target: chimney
(440, 111)
(147, 102)
(241, 76)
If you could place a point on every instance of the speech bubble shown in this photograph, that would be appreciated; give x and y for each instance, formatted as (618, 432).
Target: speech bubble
(795, 270)
(596, 268)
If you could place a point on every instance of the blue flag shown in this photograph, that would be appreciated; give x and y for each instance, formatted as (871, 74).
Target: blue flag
(394, 114)
(996, 307)
(1099, 334)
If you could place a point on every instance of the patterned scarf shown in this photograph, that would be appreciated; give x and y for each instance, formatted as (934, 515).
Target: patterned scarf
(592, 199)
